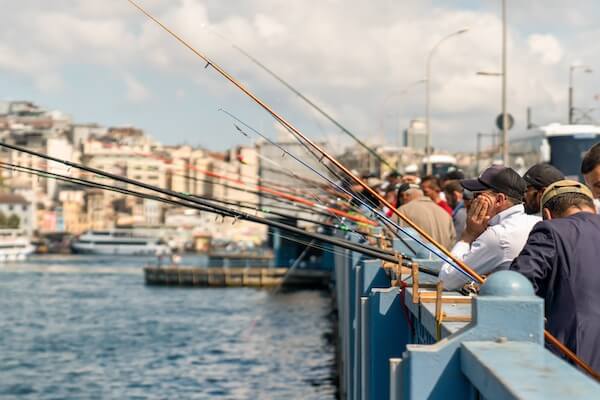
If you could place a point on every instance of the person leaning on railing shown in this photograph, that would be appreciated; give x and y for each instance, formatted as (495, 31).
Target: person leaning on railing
(561, 259)
(497, 226)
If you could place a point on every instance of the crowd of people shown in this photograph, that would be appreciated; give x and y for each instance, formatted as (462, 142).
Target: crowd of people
(540, 224)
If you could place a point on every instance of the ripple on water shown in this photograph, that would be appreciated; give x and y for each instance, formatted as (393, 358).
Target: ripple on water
(77, 327)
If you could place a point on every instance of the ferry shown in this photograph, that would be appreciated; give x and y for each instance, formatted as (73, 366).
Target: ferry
(14, 245)
(123, 242)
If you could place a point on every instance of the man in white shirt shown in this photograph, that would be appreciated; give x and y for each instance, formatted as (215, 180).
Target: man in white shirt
(497, 225)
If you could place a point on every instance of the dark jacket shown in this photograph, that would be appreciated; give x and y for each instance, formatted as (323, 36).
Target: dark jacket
(562, 260)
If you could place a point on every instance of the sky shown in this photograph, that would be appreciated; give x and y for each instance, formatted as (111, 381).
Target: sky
(360, 60)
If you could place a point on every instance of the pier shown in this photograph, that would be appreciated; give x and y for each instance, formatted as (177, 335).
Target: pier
(236, 277)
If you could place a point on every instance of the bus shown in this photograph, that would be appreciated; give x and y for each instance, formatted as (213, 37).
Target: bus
(441, 164)
(561, 145)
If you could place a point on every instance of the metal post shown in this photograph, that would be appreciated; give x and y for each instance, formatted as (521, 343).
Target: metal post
(427, 95)
(505, 158)
(571, 68)
(477, 159)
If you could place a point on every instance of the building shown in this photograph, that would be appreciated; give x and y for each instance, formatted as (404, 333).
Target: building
(415, 136)
(15, 212)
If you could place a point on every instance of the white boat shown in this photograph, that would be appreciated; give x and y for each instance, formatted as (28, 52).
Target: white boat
(124, 242)
(14, 245)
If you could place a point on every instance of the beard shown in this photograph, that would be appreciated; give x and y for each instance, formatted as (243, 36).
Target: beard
(531, 208)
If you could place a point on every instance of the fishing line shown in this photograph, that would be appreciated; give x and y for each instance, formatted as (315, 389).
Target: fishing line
(205, 206)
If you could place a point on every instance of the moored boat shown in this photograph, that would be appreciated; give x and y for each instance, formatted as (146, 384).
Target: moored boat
(123, 242)
(14, 245)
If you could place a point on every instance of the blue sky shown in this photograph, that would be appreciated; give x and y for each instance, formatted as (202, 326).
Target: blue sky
(104, 62)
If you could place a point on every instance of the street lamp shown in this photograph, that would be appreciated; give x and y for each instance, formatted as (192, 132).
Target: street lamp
(505, 158)
(572, 68)
(427, 94)
(491, 73)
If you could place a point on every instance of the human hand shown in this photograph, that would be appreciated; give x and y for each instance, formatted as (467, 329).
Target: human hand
(478, 217)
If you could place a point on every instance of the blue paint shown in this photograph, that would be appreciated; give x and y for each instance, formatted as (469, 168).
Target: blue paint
(387, 338)
(517, 370)
(380, 363)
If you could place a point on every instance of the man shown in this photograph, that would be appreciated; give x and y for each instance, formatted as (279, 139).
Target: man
(561, 261)
(453, 175)
(538, 178)
(426, 214)
(497, 226)
(590, 169)
(454, 196)
(431, 188)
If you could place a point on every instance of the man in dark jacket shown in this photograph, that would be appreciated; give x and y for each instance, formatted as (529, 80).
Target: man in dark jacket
(538, 178)
(562, 260)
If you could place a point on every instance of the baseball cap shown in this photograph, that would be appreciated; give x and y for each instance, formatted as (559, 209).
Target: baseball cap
(564, 186)
(500, 179)
(406, 186)
(542, 175)
(454, 174)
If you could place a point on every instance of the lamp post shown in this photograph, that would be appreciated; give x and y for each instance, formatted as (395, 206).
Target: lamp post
(572, 69)
(427, 94)
(505, 158)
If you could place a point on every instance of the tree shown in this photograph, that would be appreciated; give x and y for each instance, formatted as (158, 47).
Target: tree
(13, 222)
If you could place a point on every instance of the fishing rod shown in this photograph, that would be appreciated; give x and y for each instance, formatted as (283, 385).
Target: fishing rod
(463, 267)
(266, 189)
(193, 202)
(342, 227)
(96, 185)
(189, 166)
(302, 206)
(455, 261)
(372, 207)
(308, 101)
(294, 198)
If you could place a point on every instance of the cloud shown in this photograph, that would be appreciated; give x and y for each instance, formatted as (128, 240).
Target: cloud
(136, 92)
(348, 56)
(547, 47)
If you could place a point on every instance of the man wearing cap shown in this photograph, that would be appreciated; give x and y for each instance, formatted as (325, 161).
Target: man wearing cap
(497, 226)
(590, 169)
(538, 178)
(561, 261)
(426, 214)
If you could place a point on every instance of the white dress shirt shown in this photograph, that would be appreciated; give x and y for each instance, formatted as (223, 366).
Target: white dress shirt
(494, 249)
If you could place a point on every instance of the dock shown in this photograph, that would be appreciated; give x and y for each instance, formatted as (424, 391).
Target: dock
(237, 277)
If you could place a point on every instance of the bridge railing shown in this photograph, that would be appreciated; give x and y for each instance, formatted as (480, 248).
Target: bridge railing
(490, 347)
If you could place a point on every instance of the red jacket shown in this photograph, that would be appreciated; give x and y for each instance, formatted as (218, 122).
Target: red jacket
(445, 206)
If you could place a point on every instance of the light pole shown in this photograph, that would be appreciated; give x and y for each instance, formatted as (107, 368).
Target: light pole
(505, 158)
(572, 68)
(487, 73)
(427, 94)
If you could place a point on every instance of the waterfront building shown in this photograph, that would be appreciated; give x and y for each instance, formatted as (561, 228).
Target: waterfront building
(15, 212)
(415, 136)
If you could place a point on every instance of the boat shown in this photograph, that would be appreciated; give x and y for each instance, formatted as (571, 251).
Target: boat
(14, 245)
(118, 241)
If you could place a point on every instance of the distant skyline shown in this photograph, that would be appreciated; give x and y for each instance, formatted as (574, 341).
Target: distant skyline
(106, 63)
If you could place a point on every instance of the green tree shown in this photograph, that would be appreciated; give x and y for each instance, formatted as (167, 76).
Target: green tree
(13, 222)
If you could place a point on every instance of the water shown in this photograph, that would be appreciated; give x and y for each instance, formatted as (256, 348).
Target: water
(87, 327)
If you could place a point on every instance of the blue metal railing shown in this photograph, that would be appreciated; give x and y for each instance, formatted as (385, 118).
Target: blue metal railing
(388, 347)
